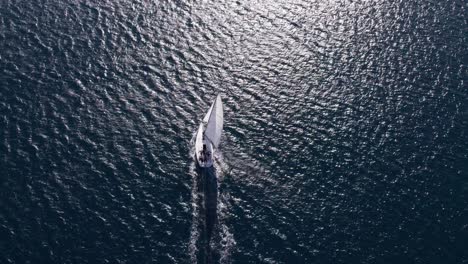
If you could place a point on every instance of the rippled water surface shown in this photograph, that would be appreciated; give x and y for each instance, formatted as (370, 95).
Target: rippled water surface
(345, 137)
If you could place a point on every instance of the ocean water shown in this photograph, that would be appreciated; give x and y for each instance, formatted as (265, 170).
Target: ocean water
(345, 137)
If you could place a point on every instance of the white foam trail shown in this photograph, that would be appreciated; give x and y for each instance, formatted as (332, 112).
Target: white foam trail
(225, 242)
(194, 230)
(222, 168)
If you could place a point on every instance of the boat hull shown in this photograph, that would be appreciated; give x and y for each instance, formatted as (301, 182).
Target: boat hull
(204, 158)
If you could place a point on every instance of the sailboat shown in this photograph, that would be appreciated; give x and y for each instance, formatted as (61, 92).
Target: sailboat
(209, 134)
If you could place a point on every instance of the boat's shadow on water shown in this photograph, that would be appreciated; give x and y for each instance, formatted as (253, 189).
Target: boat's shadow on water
(207, 187)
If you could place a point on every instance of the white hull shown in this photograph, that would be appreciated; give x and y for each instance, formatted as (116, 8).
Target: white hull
(204, 161)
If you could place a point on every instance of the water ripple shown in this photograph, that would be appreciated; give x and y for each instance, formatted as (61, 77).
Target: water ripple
(344, 139)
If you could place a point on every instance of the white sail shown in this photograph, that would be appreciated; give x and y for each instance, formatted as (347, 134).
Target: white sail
(207, 116)
(199, 139)
(215, 122)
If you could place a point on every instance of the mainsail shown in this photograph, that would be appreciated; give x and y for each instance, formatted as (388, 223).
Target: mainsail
(215, 122)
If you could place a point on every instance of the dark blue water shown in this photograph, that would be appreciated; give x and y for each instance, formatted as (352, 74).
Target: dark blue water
(345, 138)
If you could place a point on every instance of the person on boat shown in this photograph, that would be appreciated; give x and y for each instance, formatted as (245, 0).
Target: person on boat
(204, 153)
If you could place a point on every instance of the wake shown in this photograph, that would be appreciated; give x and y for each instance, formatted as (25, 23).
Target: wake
(210, 238)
